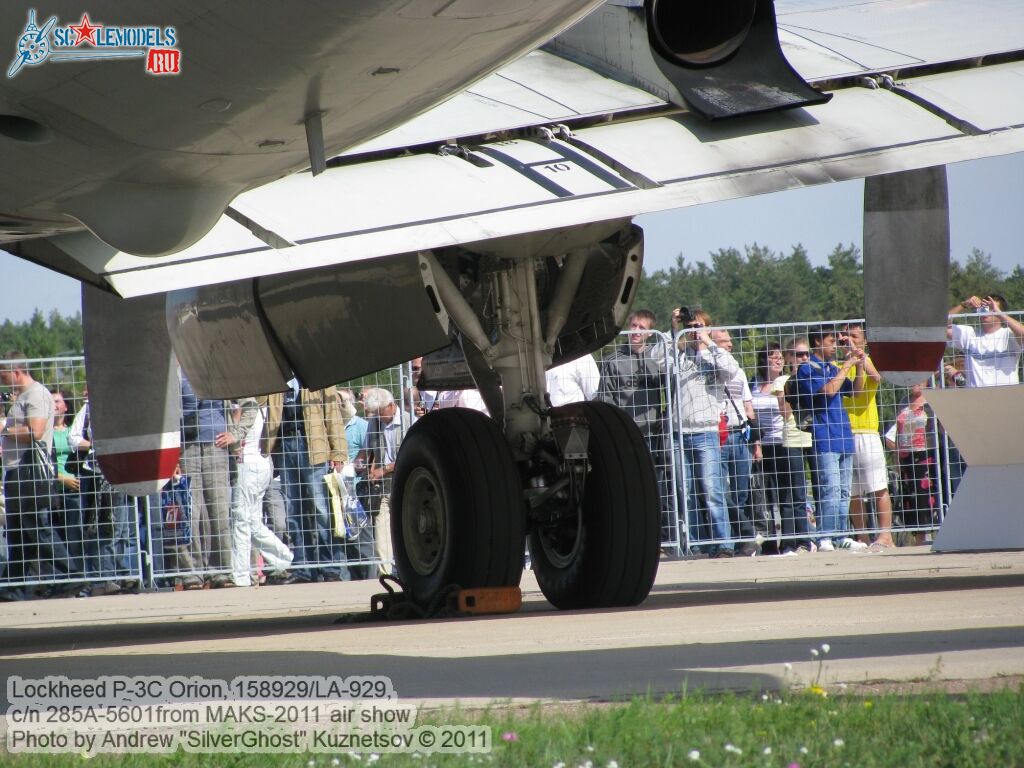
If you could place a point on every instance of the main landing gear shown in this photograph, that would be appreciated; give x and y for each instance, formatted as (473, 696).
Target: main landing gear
(457, 506)
(576, 481)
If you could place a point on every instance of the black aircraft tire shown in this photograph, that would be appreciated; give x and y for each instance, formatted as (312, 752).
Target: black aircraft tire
(457, 510)
(614, 560)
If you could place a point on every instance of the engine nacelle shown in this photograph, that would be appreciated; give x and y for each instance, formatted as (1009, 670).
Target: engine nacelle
(720, 59)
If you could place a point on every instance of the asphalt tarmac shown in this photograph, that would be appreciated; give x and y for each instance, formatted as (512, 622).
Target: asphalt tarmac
(745, 624)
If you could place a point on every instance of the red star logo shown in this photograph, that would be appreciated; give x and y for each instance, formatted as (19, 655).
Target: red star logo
(85, 31)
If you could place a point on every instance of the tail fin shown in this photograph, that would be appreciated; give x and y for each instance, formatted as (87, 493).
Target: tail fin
(135, 404)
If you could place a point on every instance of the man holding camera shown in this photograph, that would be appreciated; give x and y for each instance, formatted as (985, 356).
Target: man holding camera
(870, 477)
(821, 385)
(993, 357)
(704, 372)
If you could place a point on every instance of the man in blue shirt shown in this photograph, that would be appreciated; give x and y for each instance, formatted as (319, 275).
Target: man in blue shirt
(821, 385)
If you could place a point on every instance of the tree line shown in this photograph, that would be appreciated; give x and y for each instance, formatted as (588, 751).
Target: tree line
(757, 286)
(51, 336)
(760, 286)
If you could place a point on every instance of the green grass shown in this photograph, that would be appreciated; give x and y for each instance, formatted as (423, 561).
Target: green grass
(805, 729)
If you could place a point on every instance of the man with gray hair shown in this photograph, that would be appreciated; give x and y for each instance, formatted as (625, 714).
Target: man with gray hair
(383, 438)
(31, 533)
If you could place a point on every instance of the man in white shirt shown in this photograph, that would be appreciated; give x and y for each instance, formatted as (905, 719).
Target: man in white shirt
(573, 382)
(383, 439)
(992, 357)
(255, 471)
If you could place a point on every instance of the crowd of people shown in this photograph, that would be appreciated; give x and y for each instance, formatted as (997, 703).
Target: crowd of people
(802, 428)
(294, 487)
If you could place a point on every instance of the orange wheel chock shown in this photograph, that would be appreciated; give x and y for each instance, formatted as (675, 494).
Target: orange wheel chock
(484, 600)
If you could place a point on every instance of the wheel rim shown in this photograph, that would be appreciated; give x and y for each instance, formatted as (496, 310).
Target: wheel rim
(561, 542)
(423, 521)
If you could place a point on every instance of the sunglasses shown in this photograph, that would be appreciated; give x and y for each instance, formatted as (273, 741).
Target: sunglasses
(803, 353)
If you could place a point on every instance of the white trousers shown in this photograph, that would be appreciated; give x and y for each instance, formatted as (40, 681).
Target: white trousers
(247, 527)
(382, 537)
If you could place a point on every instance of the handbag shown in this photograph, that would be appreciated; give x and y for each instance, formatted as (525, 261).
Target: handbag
(370, 494)
(346, 511)
(763, 512)
(37, 475)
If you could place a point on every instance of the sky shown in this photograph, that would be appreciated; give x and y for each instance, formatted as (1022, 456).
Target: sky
(986, 212)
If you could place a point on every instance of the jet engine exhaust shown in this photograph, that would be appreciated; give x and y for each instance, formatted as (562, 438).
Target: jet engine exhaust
(700, 35)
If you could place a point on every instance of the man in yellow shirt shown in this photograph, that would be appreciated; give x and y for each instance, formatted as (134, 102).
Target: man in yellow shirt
(869, 471)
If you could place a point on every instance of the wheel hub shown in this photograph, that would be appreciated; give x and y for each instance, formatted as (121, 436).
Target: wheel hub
(423, 521)
(561, 539)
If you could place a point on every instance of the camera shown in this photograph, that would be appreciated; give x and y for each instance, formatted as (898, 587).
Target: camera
(685, 315)
(6, 397)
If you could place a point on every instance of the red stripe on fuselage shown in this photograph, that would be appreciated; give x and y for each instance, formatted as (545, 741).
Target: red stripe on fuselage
(923, 356)
(139, 466)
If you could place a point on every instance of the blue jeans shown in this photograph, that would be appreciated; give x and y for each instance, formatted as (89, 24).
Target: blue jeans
(31, 535)
(736, 462)
(703, 456)
(109, 530)
(3, 551)
(309, 512)
(833, 474)
(70, 514)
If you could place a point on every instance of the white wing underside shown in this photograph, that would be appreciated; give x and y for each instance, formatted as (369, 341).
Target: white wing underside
(635, 155)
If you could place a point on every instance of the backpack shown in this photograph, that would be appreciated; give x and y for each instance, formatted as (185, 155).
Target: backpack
(804, 418)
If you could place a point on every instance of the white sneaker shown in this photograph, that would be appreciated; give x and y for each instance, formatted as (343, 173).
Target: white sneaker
(825, 545)
(851, 544)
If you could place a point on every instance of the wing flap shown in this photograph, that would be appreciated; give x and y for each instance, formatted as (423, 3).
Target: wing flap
(988, 99)
(847, 37)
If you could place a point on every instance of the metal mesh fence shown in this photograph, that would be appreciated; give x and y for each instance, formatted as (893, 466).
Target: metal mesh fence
(58, 537)
(747, 459)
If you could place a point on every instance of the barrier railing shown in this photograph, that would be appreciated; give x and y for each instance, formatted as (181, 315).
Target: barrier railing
(750, 482)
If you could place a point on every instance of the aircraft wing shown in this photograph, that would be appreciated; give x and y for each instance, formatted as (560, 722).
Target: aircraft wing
(549, 143)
